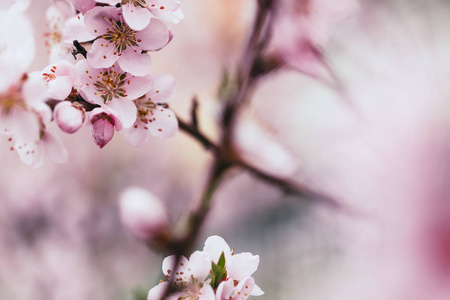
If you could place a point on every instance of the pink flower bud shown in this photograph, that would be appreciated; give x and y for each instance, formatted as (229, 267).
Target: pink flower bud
(143, 213)
(102, 123)
(68, 116)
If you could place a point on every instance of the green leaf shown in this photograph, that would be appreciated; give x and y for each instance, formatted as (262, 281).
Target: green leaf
(218, 271)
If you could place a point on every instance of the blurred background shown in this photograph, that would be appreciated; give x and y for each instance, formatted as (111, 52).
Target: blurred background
(382, 152)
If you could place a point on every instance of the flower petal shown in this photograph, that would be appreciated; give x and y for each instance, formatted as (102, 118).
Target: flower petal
(164, 124)
(200, 265)
(243, 265)
(163, 88)
(102, 54)
(134, 63)
(168, 264)
(214, 246)
(155, 36)
(136, 17)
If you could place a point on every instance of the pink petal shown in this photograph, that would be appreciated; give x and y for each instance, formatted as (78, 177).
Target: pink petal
(163, 88)
(224, 290)
(138, 86)
(136, 135)
(110, 2)
(54, 148)
(126, 109)
(102, 54)
(83, 5)
(102, 131)
(154, 37)
(242, 265)
(134, 63)
(164, 123)
(75, 29)
(96, 20)
(136, 17)
(245, 287)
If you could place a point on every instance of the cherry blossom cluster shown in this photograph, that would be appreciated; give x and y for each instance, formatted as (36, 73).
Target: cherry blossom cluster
(216, 273)
(99, 75)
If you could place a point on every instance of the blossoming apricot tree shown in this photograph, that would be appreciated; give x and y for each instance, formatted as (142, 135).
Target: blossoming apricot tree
(100, 76)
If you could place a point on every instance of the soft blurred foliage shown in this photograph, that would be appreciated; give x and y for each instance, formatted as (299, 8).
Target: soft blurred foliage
(382, 152)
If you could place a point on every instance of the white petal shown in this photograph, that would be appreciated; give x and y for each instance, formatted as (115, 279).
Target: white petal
(242, 265)
(200, 265)
(168, 264)
(214, 246)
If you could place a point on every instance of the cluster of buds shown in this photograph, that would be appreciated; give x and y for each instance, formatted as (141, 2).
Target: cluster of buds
(216, 273)
(108, 87)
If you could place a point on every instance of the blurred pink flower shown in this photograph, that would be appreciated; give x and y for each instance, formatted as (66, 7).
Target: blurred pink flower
(261, 150)
(304, 27)
(118, 42)
(142, 213)
(153, 119)
(17, 47)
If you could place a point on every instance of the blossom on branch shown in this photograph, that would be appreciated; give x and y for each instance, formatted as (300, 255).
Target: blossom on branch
(215, 273)
(154, 117)
(117, 42)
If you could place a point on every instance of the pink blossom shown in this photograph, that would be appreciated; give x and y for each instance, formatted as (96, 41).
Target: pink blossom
(83, 5)
(112, 88)
(152, 118)
(239, 266)
(64, 26)
(228, 291)
(189, 278)
(138, 13)
(102, 122)
(59, 79)
(303, 27)
(69, 116)
(17, 47)
(117, 42)
(142, 212)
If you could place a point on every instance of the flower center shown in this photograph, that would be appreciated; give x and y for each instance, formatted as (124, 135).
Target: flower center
(121, 35)
(110, 85)
(10, 100)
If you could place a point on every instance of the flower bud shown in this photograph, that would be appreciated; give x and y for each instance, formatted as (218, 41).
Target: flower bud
(102, 123)
(143, 214)
(68, 116)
